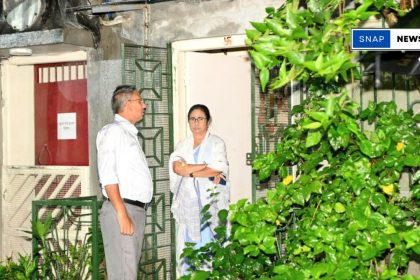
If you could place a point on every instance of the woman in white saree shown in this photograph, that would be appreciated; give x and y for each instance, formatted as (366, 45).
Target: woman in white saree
(197, 167)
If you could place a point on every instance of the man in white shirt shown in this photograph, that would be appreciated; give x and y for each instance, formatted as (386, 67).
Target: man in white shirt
(126, 184)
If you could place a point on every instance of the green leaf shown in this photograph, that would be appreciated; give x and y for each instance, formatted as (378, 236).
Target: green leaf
(343, 273)
(378, 200)
(313, 125)
(288, 272)
(412, 237)
(308, 189)
(294, 57)
(270, 10)
(260, 26)
(299, 33)
(261, 60)
(318, 116)
(320, 269)
(415, 191)
(268, 245)
(252, 34)
(205, 209)
(329, 110)
(283, 171)
(412, 160)
(223, 214)
(251, 250)
(264, 77)
(298, 198)
(333, 138)
(292, 18)
(339, 207)
(368, 252)
(267, 49)
(319, 62)
(390, 229)
(367, 148)
(276, 26)
(200, 275)
(313, 139)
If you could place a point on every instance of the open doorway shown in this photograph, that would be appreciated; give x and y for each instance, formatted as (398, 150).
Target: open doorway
(217, 72)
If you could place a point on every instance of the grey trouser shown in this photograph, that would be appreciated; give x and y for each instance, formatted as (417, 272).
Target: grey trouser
(122, 252)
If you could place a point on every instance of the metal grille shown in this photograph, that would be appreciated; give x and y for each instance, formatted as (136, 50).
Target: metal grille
(74, 225)
(28, 183)
(401, 88)
(271, 115)
(148, 69)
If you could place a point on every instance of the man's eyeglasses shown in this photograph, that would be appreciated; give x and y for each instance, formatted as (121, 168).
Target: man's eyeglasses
(140, 100)
(199, 119)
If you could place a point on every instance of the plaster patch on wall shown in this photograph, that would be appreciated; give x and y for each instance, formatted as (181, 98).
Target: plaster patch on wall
(133, 26)
(185, 20)
(225, 28)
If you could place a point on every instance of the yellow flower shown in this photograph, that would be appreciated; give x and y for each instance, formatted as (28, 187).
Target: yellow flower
(278, 222)
(287, 180)
(389, 189)
(400, 146)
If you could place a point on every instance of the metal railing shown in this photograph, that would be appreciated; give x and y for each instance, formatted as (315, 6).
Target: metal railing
(66, 237)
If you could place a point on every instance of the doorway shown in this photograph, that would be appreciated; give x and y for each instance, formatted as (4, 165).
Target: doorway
(22, 179)
(217, 72)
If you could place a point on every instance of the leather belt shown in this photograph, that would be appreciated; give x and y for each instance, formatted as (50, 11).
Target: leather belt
(135, 203)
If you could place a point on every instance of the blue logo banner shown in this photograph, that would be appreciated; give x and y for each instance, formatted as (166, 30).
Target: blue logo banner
(371, 39)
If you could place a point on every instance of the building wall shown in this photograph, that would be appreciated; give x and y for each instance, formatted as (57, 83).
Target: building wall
(173, 21)
(103, 77)
(157, 25)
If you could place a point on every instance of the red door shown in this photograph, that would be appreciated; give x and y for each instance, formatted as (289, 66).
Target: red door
(61, 117)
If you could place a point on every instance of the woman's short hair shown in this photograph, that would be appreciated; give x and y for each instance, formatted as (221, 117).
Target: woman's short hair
(120, 97)
(202, 108)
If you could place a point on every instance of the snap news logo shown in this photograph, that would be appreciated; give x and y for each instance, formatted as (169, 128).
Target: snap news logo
(385, 39)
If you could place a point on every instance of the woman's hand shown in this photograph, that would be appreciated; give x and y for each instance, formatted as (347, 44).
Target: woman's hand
(184, 169)
(218, 177)
(179, 168)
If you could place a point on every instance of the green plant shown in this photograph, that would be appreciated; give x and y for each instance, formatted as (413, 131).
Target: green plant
(309, 44)
(342, 217)
(57, 256)
(23, 269)
(351, 221)
(61, 253)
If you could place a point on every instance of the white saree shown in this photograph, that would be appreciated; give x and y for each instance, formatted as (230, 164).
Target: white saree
(191, 194)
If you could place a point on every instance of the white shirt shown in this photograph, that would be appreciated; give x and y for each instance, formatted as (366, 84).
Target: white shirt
(121, 161)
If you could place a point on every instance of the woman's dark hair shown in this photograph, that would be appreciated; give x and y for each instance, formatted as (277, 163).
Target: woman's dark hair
(120, 96)
(202, 108)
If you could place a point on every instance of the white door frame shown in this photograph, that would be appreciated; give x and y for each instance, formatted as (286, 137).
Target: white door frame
(180, 100)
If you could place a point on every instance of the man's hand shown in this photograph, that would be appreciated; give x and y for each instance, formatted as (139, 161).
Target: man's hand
(126, 225)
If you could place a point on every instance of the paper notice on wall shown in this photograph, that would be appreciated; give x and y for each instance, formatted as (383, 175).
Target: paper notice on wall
(66, 126)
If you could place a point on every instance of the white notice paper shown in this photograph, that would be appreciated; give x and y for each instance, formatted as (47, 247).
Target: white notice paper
(66, 126)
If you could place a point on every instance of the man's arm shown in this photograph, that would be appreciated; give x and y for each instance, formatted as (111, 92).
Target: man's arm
(126, 225)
